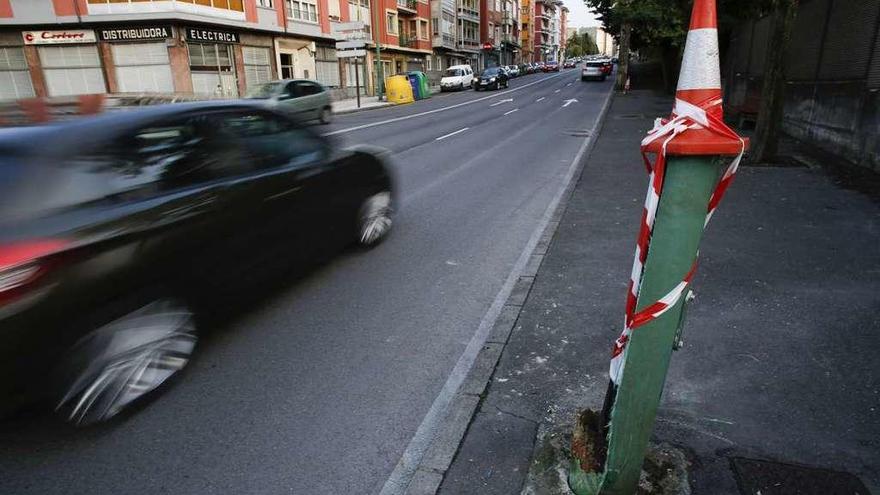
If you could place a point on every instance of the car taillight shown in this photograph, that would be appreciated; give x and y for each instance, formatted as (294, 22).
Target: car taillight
(22, 264)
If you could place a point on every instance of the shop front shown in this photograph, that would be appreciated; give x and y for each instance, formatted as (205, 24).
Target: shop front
(69, 60)
(212, 61)
(295, 58)
(139, 58)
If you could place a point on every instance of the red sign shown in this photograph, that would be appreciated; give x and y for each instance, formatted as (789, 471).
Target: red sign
(58, 37)
(488, 46)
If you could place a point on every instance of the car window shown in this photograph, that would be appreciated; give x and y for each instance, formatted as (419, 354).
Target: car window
(291, 91)
(271, 141)
(453, 72)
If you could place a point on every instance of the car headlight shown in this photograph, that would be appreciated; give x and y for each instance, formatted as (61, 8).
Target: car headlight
(491, 79)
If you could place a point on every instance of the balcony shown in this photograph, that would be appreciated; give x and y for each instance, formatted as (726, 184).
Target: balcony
(508, 19)
(407, 7)
(470, 44)
(406, 41)
(444, 41)
(468, 14)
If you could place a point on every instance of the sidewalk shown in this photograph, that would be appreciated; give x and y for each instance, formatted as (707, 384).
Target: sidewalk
(349, 105)
(779, 362)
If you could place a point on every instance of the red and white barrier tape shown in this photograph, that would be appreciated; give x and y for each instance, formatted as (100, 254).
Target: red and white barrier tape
(685, 116)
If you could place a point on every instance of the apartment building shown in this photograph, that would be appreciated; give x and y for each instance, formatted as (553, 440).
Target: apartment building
(404, 33)
(207, 47)
(526, 37)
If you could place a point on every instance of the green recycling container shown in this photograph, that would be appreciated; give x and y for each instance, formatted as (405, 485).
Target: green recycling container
(419, 82)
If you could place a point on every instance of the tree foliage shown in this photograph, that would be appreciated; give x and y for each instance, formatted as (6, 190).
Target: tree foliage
(580, 44)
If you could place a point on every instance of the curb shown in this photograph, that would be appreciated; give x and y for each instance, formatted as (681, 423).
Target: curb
(430, 472)
(362, 109)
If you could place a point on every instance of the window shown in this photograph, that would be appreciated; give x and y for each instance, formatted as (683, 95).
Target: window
(142, 67)
(436, 23)
(269, 140)
(72, 70)
(423, 29)
(15, 80)
(391, 22)
(265, 3)
(302, 10)
(327, 66)
(213, 69)
(257, 65)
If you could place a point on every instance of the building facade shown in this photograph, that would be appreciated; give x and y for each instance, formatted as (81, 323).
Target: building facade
(456, 27)
(546, 30)
(208, 47)
(527, 35)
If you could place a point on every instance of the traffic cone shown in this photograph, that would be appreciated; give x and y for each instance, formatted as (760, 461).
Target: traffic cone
(699, 82)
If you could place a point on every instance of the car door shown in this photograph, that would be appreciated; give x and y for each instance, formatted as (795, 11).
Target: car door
(282, 194)
(315, 97)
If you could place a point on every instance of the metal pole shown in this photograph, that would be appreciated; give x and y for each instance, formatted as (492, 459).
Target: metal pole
(380, 79)
(357, 81)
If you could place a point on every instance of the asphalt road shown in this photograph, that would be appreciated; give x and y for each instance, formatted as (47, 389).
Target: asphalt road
(321, 388)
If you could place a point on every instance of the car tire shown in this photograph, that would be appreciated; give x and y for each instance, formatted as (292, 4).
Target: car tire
(325, 115)
(122, 361)
(375, 218)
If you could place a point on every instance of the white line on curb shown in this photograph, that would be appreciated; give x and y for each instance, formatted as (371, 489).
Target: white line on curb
(399, 480)
(510, 112)
(539, 99)
(436, 110)
(451, 134)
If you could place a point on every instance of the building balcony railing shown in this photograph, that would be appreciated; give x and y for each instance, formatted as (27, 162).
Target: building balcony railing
(444, 41)
(405, 7)
(469, 44)
(508, 19)
(469, 14)
(406, 41)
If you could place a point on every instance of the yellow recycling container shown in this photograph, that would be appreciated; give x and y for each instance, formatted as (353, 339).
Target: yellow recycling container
(398, 90)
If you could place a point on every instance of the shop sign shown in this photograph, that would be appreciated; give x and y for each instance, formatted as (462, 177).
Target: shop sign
(66, 36)
(141, 33)
(211, 35)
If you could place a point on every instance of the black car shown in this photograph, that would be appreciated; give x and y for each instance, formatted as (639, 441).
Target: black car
(492, 78)
(120, 233)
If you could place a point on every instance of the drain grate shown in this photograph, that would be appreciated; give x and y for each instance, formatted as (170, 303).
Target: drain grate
(578, 132)
(631, 116)
(757, 477)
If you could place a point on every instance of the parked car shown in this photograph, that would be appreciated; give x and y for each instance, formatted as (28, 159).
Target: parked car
(513, 70)
(492, 78)
(302, 98)
(524, 69)
(593, 70)
(119, 232)
(539, 67)
(457, 77)
(551, 66)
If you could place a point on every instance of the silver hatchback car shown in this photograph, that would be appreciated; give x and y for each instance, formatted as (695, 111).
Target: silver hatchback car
(303, 98)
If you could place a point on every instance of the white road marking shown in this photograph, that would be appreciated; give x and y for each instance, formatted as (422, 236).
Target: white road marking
(399, 480)
(539, 99)
(569, 102)
(558, 90)
(451, 134)
(567, 85)
(510, 112)
(506, 100)
(436, 110)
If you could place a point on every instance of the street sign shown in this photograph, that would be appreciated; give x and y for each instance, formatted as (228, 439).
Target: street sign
(351, 53)
(346, 45)
(351, 31)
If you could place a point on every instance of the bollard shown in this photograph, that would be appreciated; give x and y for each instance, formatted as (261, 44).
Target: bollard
(687, 181)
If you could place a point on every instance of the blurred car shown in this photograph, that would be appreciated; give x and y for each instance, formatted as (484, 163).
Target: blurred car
(492, 78)
(524, 69)
(539, 67)
(551, 66)
(607, 66)
(456, 77)
(302, 98)
(569, 64)
(593, 70)
(513, 70)
(118, 233)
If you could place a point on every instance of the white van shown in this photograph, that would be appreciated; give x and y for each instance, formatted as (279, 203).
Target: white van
(457, 77)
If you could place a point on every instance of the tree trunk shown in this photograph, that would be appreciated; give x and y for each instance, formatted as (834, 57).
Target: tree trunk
(773, 91)
(623, 64)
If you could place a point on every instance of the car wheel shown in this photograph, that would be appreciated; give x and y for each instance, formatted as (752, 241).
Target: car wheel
(374, 219)
(325, 115)
(116, 364)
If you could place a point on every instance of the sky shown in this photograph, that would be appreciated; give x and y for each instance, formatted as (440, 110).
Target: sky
(579, 15)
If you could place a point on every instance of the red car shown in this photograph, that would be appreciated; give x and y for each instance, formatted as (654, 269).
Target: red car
(607, 67)
(551, 67)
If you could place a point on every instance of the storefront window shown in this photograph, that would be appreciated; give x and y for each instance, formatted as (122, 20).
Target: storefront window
(257, 65)
(72, 70)
(327, 66)
(142, 67)
(213, 69)
(15, 80)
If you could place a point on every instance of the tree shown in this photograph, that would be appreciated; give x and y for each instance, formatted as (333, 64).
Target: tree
(580, 44)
